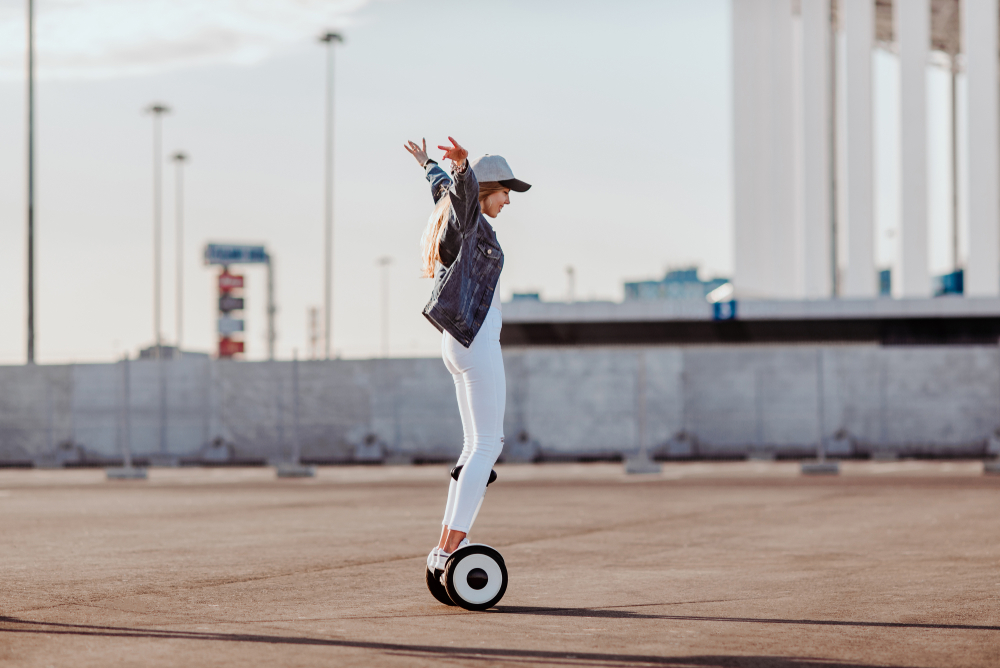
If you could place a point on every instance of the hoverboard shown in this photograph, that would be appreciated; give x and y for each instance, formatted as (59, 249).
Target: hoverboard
(475, 575)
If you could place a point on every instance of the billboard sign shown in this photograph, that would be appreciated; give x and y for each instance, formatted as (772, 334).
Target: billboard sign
(226, 254)
(229, 325)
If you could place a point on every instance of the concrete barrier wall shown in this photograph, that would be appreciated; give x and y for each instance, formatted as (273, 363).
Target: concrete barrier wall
(562, 403)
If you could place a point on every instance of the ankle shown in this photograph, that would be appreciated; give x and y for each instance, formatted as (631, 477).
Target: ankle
(455, 539)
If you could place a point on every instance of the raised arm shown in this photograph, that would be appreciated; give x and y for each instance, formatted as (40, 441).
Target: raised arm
(465, 190)
(439, 180)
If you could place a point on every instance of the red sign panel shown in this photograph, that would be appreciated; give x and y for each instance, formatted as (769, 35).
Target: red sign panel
(228, 347)
(229, 282)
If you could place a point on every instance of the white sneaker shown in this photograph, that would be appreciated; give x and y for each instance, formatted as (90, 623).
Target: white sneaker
(437, 559)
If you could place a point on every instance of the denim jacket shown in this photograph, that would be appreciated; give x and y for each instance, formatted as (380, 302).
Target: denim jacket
(471, 259)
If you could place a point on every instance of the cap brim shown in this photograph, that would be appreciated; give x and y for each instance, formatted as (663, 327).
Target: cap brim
(516, 185)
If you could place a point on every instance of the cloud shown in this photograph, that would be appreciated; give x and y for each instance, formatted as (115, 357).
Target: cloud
(111, 38)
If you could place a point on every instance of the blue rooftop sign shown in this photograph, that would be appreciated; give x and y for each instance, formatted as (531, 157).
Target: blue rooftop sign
(226, 254)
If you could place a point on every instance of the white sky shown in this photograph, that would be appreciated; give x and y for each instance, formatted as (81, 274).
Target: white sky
(617, 112)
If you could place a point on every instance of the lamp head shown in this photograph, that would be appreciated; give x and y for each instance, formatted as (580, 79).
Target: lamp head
(331, 37)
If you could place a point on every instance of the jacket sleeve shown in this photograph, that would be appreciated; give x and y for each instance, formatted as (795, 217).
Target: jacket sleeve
(439, 180)
(465, 201)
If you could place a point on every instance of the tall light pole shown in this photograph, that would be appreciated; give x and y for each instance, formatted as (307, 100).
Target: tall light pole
(157, 110)
(31, 182)
(329, 38)
(179, 159)
(832, 147)
(955, 264)
(384, 262)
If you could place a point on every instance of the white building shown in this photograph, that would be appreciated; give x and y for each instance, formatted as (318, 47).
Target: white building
(804, 173)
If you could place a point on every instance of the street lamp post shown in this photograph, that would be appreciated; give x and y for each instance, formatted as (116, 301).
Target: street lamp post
(294, 468)
(384, 262)
(31, 182)
(157, 109)
(179, 159)
(955, 264)
(831, 144)
(329, 38)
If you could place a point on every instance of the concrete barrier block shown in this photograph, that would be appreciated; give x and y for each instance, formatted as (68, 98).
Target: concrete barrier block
(641, 464)
(294, 470)
(820, 468)
(761, 455)
(125, 473)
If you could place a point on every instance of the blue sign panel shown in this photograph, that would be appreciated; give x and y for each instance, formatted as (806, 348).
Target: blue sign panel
(229, 325)
(226, 254)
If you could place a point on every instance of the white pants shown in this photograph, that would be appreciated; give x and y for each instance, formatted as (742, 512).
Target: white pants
(482, 395)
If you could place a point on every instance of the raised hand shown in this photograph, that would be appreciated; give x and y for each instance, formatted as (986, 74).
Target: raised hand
(455, 153)
(418, 152)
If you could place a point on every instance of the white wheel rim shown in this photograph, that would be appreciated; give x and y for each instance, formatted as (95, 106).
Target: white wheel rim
(460, 575)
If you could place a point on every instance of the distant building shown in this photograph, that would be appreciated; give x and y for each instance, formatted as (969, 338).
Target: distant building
(167, 353)
(678, 284)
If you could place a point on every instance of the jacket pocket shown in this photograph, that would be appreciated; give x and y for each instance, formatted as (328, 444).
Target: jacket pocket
(489, 251)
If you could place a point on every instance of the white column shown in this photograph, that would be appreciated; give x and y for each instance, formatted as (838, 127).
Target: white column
(858, 22)
(751, 97)
(816, 135)
(764, 148)
(979, 25)
(785, 238)
(913, 33)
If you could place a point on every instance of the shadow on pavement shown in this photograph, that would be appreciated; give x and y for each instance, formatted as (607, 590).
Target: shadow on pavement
(610, 612)
(13, 625)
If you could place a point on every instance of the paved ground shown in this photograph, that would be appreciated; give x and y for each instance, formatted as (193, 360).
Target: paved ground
(742, 564)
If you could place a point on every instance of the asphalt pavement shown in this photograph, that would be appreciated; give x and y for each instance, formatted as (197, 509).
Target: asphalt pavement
(705, 564)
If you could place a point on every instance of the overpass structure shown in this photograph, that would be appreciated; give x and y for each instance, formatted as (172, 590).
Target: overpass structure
(939, 321)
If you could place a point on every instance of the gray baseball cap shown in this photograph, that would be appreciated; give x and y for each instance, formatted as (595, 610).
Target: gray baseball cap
(495, 168)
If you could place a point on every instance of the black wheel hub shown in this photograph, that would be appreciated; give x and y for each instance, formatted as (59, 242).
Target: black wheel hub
(477, 578)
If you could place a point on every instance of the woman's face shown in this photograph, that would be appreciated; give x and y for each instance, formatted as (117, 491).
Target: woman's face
(495, 202)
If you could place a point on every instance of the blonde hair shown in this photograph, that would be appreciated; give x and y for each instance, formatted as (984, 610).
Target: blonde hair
(430, 240)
